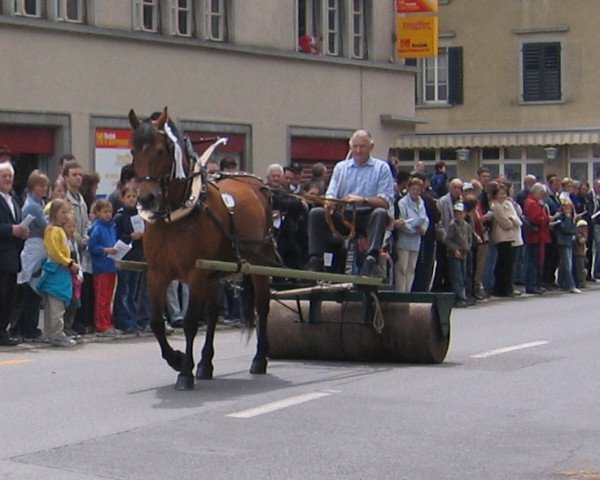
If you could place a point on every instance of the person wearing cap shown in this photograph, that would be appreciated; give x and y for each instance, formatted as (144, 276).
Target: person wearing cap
(365, 183)
(580, 253)
(459, 237)
(12, 237)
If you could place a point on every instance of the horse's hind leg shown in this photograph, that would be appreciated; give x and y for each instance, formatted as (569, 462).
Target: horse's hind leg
(262, 296)
(205, 367)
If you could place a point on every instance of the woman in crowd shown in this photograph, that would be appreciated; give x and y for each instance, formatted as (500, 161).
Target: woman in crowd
(411, 225)
(538, 235)
(503, 235)
(32, 255)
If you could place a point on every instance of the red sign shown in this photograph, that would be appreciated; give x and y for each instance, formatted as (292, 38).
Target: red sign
(416, 6)
(112, 138)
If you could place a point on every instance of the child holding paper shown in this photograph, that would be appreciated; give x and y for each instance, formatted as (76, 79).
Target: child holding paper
(129, 230)
(103, 236)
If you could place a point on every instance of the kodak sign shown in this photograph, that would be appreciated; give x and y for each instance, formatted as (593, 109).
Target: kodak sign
(416, 6)
(417, 37)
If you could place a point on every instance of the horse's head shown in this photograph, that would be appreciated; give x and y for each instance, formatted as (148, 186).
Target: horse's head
(159, 158)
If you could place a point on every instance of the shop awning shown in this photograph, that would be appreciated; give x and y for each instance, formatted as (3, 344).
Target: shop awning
(499, 139)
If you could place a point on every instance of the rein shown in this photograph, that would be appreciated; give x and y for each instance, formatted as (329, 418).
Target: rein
(349, 224)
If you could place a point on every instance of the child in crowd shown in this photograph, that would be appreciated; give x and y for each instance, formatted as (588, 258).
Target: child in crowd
(70, 227)
(565, 231)
(128, 281)
(459, 237)
(103, 236)
(580, 252)
(56, 283)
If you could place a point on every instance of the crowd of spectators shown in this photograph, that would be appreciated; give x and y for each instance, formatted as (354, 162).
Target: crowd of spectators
(475, 238)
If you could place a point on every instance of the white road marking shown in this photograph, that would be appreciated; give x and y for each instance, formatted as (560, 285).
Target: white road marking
(281, 404)
(512, 348)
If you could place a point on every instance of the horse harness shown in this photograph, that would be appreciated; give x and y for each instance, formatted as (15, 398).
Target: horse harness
(195, 195)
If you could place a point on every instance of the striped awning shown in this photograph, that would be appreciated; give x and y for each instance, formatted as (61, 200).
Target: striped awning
(499, 139)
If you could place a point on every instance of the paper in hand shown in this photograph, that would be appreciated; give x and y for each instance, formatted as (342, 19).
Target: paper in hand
(122, 249)
(27, 221)
(137, 223)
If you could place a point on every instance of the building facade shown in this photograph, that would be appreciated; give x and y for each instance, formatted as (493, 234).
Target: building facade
(514, 88)
(285, 80)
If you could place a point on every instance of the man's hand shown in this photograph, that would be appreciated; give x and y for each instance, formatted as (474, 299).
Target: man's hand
(329, 206)
(110, 250)
(398, 222)
(457, 254)
(357, 199)
(136, 235)
(21, 232)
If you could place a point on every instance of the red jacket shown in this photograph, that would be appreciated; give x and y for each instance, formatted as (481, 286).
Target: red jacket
(538, 230)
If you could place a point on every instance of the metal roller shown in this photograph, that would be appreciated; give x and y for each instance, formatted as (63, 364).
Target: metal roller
(412, 332)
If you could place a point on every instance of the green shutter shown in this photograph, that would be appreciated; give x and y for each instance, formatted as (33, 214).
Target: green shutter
(541, 72)
(455, 75)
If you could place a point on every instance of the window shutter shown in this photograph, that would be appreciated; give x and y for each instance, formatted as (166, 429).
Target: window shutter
(541, 72)
(455, 75)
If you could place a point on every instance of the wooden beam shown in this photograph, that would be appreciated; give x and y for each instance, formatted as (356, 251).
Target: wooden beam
(248, 269)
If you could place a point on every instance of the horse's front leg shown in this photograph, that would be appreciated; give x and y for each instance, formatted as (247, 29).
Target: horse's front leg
(205, 367)
(185, 380)
(157, 299)
(262, 298)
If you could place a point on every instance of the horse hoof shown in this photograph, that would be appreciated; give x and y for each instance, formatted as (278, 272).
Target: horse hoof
(204, 372)
(175, 361)
(184, 382)
(258, 367)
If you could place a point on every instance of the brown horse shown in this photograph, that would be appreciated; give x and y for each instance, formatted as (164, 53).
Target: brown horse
(210, 230)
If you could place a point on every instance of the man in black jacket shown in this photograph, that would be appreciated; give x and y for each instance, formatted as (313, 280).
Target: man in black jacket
(12, 236)
(289, 220)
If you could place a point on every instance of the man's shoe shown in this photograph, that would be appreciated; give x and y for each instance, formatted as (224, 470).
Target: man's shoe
(177, 323)
(460, 304)
(8, 341)
(315, 264)
(371, 268)
(471, 302)
(534, 291)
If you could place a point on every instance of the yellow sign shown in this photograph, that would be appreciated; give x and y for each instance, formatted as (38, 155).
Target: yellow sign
(416, 6)
(417, 37)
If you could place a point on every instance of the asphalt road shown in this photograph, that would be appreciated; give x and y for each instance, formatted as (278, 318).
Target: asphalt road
(517, 398)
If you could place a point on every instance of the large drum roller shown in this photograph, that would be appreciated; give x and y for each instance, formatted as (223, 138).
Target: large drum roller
(363, 325)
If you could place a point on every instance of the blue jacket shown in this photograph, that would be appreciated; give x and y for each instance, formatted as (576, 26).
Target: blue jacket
(408, 238)
(565, 231)
(102, 235)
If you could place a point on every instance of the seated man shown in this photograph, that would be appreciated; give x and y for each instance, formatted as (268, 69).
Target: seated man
(364, 182)
(289, 220)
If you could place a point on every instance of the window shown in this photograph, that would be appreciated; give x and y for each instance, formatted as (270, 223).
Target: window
(334, 27)
(70, 11)
(358, 36)
(28, 8)
(181, 18)
(215, 20)
(541, 65)
(514, 163)
(440, 80)
(145, 15)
